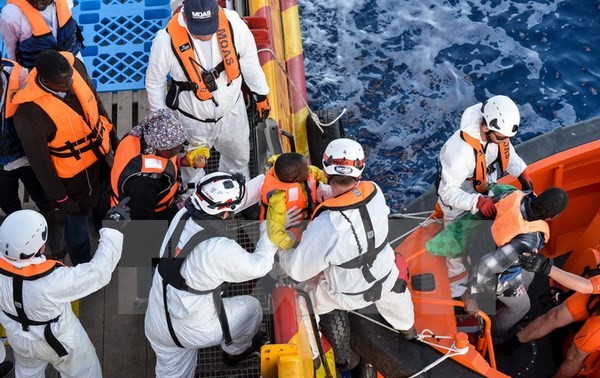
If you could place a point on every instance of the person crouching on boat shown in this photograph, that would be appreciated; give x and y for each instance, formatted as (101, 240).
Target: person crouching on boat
(344, 259)
(36, 305)
(583, 305)
(185, 308)
(476, 155)
(520, 226)
(290, 183)
(206, 68)
(471, 160)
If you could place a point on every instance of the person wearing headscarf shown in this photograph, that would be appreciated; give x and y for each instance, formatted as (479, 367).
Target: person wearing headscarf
(146, 168)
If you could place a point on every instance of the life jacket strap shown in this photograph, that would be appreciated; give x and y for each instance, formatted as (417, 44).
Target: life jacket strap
(169, 269)
(373, 293)
(25, 322)
(365, 260)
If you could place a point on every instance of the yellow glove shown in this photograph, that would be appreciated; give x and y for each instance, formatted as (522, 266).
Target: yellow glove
(197, 157)
(271, 160)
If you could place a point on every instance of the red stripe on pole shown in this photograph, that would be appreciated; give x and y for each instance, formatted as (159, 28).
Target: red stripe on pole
(285, 4)
(295, 67)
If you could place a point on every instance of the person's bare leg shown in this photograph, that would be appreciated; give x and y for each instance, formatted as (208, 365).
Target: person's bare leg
(540, 327)
(571, 364)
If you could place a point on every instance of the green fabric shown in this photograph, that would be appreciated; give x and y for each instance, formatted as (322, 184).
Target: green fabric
(452, 240)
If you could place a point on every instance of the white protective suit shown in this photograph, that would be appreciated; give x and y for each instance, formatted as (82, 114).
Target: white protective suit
(49, 297)
(195, 322)
(456, 194)
(329, 241)
(230, 134)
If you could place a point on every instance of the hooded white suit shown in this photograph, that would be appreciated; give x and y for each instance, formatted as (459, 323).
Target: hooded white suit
(50, 297)
(331, 240)
(194, 317)
(456, 194)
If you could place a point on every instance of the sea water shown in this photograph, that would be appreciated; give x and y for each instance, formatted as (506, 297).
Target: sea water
(406, 70)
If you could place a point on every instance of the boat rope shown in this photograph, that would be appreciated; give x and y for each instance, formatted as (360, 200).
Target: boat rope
(426, 333)
(401, 215)
(425, 223)
(374, 321)
(407, 216)
(312, 114)
(452, 351)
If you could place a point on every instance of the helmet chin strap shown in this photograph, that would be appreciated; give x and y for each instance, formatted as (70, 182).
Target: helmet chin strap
(487, 135)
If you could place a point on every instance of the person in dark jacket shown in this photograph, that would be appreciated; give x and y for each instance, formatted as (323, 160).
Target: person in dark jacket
(66, 135)
(14, 166)
(520, 226)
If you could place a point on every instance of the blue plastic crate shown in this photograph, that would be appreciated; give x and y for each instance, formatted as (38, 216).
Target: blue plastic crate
(118, 36)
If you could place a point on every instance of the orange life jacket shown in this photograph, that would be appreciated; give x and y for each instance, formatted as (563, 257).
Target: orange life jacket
(358, 198)
(364, 191)
(68, 34)
(295, 194)
(39, 27)
(30, 272)
(183, 48)
(11, 148)
(79, 142)
(509, 221)
(130, 162)
(481, 167)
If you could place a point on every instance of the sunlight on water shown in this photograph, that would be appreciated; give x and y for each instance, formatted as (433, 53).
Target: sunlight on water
(406, 69)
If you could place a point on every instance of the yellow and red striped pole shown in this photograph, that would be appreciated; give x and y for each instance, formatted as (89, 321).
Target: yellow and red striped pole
(294, 60)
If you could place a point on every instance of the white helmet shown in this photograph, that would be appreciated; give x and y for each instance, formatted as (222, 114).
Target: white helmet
(218, 192)
(22, 234)
(501, 115)
(344, 157)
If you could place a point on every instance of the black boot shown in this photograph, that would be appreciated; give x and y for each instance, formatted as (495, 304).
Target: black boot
(6, 368)
(254, 349)
(409, 334)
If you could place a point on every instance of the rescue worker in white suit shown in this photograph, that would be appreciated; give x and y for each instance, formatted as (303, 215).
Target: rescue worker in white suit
(468, 159)
(352, 223)
(206, 50)
(36, 295)
(207, 257)
(472, 159)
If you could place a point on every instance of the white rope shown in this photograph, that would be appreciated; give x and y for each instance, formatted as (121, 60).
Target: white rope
(406, 216)
(452, 351)
(312, 114)
(418, 215)
(428, 212)
(425, 223)
(374, 321)
(426, 333)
